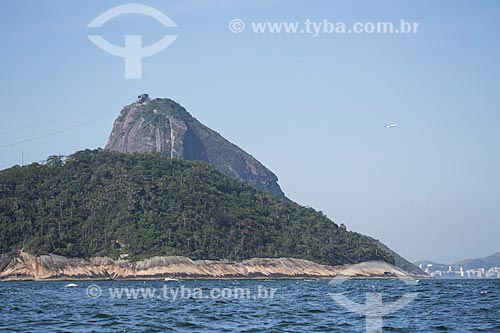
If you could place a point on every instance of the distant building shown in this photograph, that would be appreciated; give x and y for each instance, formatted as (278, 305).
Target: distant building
(479, 273)
(493, 273)
(142, 98)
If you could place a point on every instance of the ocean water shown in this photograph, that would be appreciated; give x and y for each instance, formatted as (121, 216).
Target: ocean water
(248, 306)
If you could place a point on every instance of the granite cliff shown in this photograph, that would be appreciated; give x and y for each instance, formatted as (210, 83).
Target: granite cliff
(162, 125)
(24, 266)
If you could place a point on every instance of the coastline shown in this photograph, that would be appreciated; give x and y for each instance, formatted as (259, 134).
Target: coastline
(22, 266)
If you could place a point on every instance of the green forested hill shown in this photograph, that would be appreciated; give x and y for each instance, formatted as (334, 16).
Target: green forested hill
(105, 203)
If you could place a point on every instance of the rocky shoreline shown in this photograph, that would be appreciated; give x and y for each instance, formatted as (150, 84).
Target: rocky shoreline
(22, 266)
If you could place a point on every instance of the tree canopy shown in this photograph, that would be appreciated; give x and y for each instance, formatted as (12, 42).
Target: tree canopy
(101, 203)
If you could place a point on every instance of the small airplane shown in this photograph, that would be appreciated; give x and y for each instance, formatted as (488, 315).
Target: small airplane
(391, 126)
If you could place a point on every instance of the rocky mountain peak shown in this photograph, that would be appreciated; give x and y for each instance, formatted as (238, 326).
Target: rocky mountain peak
(162, 125)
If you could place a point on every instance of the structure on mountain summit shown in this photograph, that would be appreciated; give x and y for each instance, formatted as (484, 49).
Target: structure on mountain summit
(142, 98)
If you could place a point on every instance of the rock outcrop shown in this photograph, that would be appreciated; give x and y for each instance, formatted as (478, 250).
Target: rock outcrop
(23, 266)
(162, 125)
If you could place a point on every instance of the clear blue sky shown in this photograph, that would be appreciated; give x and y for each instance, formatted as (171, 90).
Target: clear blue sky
(312, 109)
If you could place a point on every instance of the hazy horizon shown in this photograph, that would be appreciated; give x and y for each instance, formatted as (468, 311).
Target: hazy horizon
(311, 109)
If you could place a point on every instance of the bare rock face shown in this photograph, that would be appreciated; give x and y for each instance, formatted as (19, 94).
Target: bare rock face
(162, 125)
(23, 266)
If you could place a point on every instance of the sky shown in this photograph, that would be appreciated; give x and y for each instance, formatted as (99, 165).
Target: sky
(310, 108)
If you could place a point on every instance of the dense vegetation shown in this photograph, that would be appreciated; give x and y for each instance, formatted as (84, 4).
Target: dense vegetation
(105, 203)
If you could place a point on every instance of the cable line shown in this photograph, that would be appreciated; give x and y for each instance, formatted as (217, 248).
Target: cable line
(58, 131)
(65, 117)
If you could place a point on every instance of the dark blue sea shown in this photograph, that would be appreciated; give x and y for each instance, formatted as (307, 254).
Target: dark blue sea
(250, 306)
